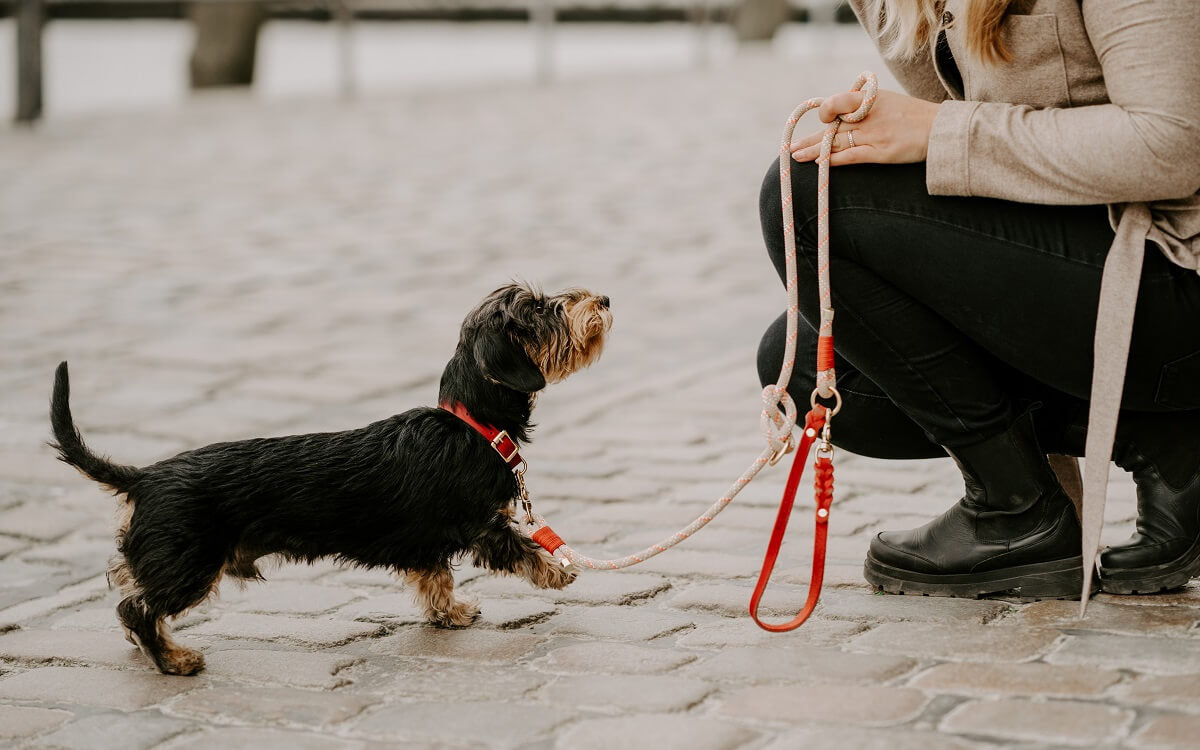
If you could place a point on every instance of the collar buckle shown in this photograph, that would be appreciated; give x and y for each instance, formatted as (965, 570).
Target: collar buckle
(499, 443)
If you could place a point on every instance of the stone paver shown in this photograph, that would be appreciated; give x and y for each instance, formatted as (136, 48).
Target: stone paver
(90, 647)
(626, 693)
(236, 267)
(94, 687)
(654, 731)
(308, 632)
(475, 645)
(297, 668)
(1168, 732)
(115, 731)
(612, 658)
(1053, 722)
(1032, 678)
(1152, 655)
(958, 642)
(835, 704)
(466, 720)
(289, 707)
(1179, 692)
(868, 739)
(21, 721)
(800, 665)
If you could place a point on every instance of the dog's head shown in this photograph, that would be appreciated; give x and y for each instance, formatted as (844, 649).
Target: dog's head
(524, 339)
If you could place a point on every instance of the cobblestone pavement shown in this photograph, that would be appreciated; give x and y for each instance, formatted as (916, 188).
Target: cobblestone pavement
(236, 269)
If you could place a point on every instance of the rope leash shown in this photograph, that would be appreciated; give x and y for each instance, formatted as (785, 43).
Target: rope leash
(776, 427)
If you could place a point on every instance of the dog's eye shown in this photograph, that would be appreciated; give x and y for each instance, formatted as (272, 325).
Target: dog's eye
(540, 309)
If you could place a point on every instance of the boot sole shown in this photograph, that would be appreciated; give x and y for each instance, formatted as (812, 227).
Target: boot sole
(1153, 578)
(1058, 579)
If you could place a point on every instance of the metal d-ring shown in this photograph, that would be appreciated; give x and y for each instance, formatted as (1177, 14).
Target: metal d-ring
(837, 403)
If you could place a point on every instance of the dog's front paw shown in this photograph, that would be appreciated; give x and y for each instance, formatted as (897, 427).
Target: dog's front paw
(551, 573)
(457, 615)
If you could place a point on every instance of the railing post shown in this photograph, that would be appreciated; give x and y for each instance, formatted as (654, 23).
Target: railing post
(541, 14)
(701, 17)
(31, 16)
(343, 14)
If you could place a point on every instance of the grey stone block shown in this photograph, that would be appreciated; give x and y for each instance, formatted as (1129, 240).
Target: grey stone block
(115, 731)
(835, 704)
(612, 658)
(1051, 722)
(93, 687)
(22, 721)
(283, 706)
(296, 668)
(309, 632)
(626, 693)
(466, 721)
(801, 665)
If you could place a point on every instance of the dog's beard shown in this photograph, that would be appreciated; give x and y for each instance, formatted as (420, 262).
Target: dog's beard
(587, 324)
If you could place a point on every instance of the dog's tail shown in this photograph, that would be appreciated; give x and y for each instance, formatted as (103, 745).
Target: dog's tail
(71, 448)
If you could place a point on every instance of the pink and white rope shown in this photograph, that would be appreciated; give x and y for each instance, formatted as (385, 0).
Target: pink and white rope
(776, 428)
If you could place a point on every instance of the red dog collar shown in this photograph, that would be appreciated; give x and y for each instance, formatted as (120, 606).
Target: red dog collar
(500, 440)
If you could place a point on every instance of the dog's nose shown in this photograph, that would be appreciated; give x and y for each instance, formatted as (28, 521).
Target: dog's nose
(603, 301)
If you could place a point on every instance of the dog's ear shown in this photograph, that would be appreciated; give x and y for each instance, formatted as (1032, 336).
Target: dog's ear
(502, 360)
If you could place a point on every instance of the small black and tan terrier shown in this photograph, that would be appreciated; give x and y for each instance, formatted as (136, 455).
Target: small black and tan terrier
(413, 492)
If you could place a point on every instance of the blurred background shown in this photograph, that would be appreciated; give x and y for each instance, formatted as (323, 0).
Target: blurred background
(247, 219)
(81, 56)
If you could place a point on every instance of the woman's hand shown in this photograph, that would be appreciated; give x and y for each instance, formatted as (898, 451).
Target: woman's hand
(896, 131)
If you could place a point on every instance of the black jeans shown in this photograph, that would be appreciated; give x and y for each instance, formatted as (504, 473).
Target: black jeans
(953, 315)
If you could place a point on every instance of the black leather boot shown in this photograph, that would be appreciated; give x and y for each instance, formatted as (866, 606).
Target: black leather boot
(1015, 532)
(1162, 451)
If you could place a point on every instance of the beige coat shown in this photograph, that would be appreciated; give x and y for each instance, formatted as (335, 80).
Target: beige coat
(1100, 104)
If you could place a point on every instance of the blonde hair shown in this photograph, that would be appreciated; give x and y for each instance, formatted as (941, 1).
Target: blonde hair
(907, 26)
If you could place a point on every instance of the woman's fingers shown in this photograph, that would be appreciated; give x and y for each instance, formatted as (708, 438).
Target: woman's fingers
(860, 154)
(841, 142)
(840, 104)
(809, 140)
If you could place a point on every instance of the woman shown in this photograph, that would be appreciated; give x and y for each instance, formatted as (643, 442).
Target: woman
(988, 230)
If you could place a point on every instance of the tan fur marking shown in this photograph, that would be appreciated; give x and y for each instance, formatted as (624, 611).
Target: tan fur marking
(587, 321)
(544, 571)
(435, 595)
(177, 659)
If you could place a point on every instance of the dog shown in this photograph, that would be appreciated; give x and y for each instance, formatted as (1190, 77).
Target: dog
(414, 492)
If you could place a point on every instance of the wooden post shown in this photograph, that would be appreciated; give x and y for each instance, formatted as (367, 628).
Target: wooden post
(701, 16)
(31, 16)
(226, 42)
(343, 15)
(758, 20)
(542, 15)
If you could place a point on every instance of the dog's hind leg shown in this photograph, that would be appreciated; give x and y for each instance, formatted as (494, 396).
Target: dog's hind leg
(502, 549)
(435, 595)
(151, 633)
(144, 613)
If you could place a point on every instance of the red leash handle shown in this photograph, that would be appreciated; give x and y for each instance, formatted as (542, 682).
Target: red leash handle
(823, 495)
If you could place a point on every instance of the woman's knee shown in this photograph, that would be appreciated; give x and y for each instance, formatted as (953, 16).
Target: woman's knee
(770, 212)
(770, 353)
(870, 425)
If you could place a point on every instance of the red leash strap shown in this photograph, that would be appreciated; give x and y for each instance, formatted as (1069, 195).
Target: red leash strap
(824, 498)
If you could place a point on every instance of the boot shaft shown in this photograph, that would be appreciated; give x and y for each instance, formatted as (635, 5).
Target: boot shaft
(1007, 473)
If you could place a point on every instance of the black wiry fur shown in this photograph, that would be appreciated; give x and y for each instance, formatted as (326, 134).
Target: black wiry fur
(411, 492)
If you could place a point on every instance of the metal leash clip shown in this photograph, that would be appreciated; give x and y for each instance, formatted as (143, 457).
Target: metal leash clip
(523, 491)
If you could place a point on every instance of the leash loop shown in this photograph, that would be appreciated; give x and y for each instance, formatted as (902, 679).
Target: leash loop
(777, 427)
(779, 414)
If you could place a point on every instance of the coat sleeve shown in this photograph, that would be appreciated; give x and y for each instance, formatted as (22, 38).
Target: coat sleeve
(916, 75)
(1142, 146)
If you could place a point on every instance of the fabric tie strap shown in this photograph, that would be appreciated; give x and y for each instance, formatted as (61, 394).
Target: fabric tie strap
(1114, 329)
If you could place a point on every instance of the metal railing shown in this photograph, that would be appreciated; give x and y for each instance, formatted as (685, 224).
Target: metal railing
(32, 15)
